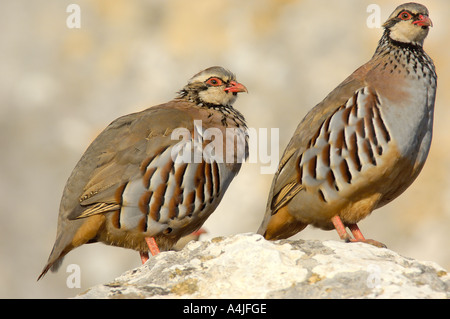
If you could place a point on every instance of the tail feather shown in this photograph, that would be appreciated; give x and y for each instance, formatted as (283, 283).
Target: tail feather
(53, 266)
(278, 223)
(71, 234)
(281, 225)
(263, 227)
(56, 258)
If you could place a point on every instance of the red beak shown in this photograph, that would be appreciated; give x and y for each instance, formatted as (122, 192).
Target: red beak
(236, 87)
(424, 21)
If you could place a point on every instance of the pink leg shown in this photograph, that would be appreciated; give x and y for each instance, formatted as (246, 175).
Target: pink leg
(152, 245)
(340, 228)
(356, 232)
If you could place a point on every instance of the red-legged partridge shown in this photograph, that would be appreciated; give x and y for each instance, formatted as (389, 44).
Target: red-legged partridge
(365, 143)
(155, 176)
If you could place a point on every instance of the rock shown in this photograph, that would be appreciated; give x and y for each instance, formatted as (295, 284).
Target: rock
(247, 266)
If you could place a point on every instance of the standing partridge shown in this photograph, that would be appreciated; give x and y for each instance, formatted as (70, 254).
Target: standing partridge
(155, 176)
(365, 143)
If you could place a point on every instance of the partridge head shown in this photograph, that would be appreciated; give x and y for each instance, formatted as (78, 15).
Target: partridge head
(365, 143)
(409, 23)
(134, 187)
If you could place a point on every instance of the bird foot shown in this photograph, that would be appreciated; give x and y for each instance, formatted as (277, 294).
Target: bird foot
(359, 238)
(144, 257)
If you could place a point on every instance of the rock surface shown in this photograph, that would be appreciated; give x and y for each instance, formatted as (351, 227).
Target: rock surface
(247, 266)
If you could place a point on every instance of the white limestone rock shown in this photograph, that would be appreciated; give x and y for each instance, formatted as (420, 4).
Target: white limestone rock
(248, 266)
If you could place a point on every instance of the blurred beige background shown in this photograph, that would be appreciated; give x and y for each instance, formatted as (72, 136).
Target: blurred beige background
(59, 87)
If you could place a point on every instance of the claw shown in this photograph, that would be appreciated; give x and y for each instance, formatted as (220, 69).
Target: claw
(144, 257)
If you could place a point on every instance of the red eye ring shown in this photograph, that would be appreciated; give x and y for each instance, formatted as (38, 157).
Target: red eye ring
(214, 82)
(405, 15)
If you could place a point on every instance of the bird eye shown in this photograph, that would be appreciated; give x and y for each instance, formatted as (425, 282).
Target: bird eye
(404, 15)
(214, 81)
